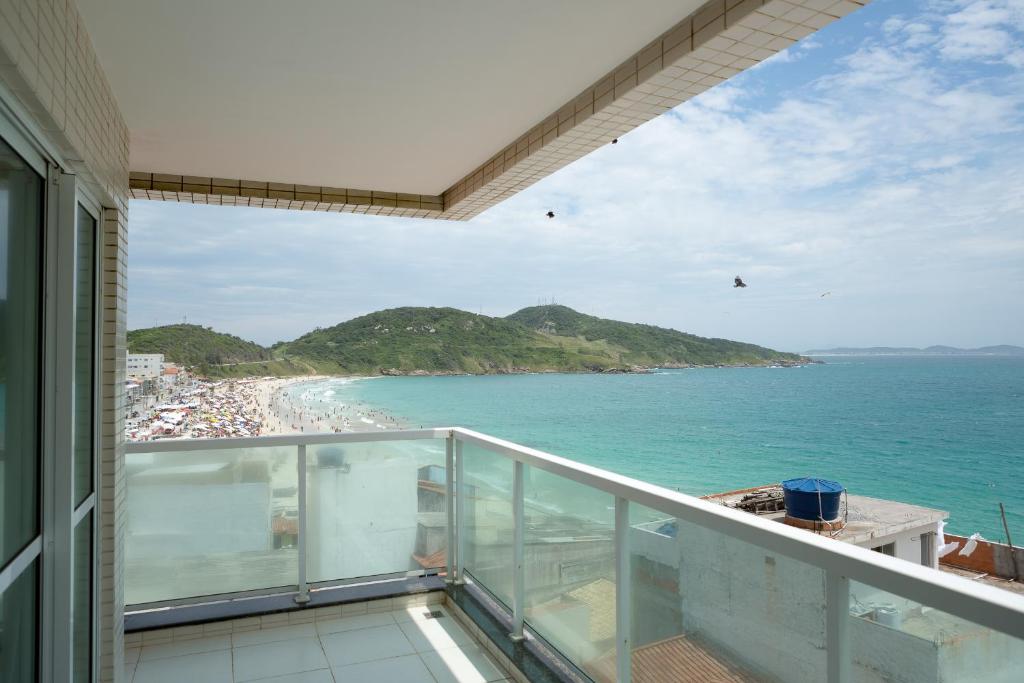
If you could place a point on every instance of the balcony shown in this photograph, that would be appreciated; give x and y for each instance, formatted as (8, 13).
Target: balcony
(477, 558)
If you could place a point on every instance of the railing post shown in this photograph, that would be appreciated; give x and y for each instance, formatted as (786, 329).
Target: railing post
(623, 594)
(460, 515)
(837, 617)
(518, 577)
(449, 497)
(303, 595)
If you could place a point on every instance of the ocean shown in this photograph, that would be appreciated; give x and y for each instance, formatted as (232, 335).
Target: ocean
(944, 432)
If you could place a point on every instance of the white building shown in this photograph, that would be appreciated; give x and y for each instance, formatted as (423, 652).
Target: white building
(145, 365)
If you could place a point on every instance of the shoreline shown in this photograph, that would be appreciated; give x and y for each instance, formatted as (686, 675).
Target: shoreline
(625, 370)
(282, 412)
(265, 406)
(285, 412)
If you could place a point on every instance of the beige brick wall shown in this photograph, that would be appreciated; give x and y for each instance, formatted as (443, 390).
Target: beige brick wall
(48, 64)
(236, 192)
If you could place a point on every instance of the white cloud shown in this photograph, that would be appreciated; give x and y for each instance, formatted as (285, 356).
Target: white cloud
(983, 30)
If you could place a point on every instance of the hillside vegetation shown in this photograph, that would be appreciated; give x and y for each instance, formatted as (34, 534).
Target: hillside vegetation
(195, 346)
(540, 338)
(447, 340)
(437, 340)
(639, 344)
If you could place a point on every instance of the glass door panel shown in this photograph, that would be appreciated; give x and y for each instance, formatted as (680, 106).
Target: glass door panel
(21, 199)
(82, 602)
(85, 345)
(19, 627)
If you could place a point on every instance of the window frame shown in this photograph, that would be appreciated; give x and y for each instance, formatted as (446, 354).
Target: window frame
(20, 138)
(57, 512)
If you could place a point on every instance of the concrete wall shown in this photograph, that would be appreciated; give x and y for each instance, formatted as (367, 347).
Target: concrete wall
(908, 542)
(982, 657)
(50, 70)
(885, 655)
(760, 609)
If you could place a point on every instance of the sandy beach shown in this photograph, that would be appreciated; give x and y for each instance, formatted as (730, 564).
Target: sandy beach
(253, 406)
(286, 409)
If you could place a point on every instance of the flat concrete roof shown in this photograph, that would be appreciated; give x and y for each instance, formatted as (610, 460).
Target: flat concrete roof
(867, 518)
(437, 109)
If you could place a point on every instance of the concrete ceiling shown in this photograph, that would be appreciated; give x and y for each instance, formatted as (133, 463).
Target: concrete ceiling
(383, 95)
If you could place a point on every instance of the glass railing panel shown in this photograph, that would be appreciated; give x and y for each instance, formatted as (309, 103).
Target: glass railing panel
(210, 522)
(375, 508)
(569, 560)
(708, 606)
(488, 528)
(893, 638)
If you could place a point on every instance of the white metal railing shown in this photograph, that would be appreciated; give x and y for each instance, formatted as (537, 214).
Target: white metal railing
(841, 563)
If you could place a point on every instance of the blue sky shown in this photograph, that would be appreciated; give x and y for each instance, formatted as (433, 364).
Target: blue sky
(881, 160)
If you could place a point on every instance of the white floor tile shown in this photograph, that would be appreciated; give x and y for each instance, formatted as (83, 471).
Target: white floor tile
(206, 667)
(318, 676)
(356, 622)
(186, 647)
(408, 669)
(435, 634)
(467, 664)
(364, 645)
(277, 659)
(273, 635)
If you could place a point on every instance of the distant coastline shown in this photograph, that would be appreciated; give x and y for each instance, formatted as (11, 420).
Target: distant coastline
(1004, 350)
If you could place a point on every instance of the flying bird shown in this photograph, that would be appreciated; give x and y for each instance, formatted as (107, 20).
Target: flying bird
(825, 294)
(550, 214)
(738, 282)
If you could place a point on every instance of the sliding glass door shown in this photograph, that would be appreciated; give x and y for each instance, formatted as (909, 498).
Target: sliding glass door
(21, 249)
(49, 369)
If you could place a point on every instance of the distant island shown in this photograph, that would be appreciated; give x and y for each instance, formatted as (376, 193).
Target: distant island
(1000, 350)
(447, 341)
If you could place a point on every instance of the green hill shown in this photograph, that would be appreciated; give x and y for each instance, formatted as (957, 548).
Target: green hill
(194, 345)
(434, 340)
(212, 354)
(541, 338)
(647, 345)
(447, 340)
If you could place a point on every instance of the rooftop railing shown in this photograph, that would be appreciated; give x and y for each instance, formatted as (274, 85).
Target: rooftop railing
(625, 579)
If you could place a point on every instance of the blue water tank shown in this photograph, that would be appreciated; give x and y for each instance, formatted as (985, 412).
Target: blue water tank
(812, 498)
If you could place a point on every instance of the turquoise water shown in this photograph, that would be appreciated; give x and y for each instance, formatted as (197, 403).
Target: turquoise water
(942, 432)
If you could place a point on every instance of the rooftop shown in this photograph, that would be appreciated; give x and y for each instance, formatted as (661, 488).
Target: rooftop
(867, 518)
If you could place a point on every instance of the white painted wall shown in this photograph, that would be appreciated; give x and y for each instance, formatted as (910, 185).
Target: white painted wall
(146, 365)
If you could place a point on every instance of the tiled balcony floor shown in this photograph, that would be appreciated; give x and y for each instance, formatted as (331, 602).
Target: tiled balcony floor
(387, 647)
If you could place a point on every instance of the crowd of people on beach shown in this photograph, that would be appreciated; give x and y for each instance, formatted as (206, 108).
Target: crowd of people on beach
(248, 407)
(199, 409)
(304, 411)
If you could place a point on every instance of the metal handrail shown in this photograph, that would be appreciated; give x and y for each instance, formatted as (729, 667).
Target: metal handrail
(841, 562)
